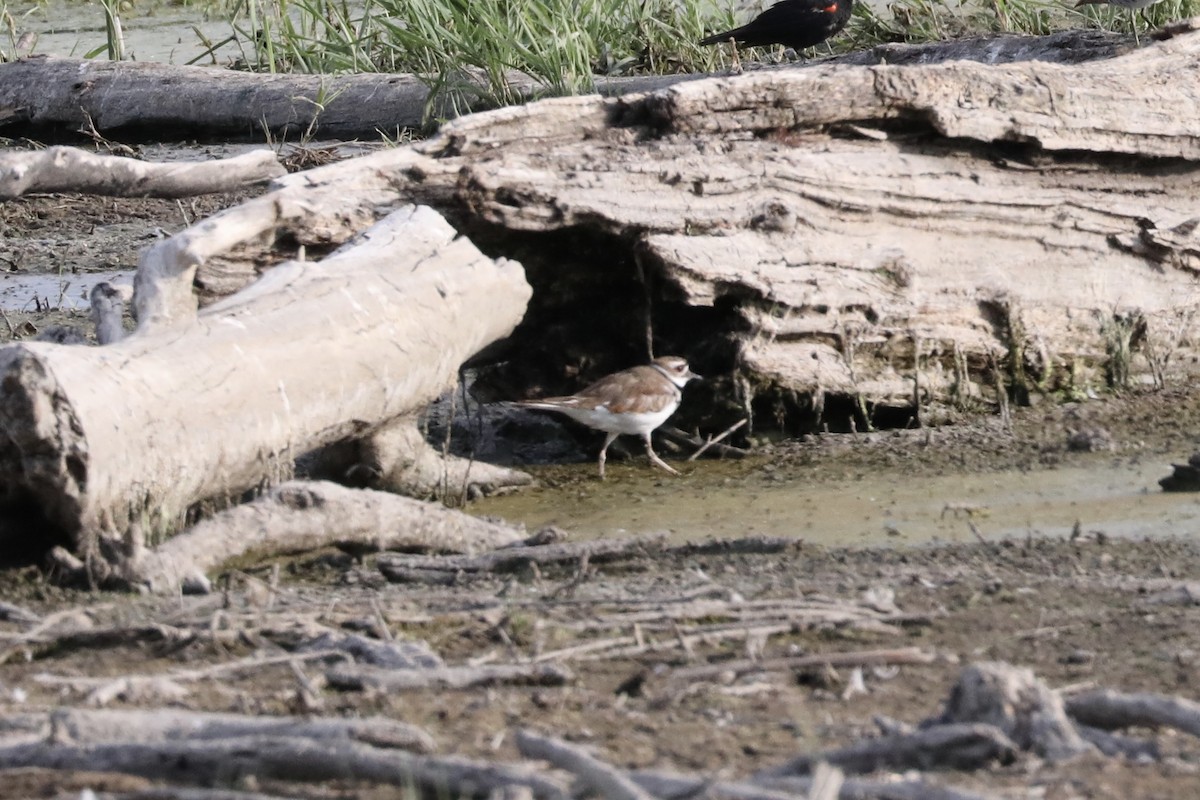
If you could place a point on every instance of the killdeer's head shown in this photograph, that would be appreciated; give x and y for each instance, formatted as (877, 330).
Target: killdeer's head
(675, 368)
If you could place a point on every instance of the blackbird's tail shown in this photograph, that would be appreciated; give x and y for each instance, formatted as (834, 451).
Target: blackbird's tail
(717, 38)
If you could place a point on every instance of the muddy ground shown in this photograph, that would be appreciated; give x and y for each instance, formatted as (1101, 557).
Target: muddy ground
(1092, 609)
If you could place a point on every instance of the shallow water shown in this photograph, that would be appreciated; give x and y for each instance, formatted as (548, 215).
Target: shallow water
(166, 33)
(24, 292)
(1119, 497)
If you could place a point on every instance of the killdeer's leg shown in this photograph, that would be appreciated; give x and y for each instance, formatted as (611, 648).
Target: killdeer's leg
(654, 459)
(604, 452)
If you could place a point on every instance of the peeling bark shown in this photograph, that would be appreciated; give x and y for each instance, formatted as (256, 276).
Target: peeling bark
(898, 236)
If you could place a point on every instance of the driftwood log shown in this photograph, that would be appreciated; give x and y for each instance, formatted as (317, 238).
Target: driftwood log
(131, 98)
(58, 169)
(121, 441)
(826, 241)
(835, 244)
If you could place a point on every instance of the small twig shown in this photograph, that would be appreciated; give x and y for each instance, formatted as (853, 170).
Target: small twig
(902, 655)
(362, 676)
(15, 613)
(11, 330)
(714, 440)
(192, 674)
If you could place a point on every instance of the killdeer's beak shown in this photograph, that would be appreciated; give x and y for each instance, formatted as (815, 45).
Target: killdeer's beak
(695, 375)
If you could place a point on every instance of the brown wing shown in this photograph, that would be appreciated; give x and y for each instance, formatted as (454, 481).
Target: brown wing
(632, 391)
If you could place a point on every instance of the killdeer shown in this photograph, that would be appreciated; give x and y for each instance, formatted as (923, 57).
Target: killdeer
(634, 401)
(792, 23)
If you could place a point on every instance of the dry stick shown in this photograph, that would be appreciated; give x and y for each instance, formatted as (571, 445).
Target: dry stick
(1110, 710)
(826, 783)
(15, 613)
(854, 789)
(903, 655)
(598, 776)
(741, 613)
(669, 787)
(34, 634)
(301, 515)
(516, 556)
(956, 746)
(1113, 744)
(684, 438)
(361, 676)
(711, 440)
(622, 646)
(188, 675)
(176, 793)
(131, 726)
(12, 332)
(58, 169)
(283, 758)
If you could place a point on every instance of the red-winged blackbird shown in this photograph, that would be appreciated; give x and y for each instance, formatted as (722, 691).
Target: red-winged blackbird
(792, 23)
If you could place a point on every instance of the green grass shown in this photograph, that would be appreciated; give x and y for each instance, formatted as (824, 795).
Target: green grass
(468, 49)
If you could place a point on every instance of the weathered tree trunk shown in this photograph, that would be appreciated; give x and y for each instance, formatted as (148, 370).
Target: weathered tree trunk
(894, 235)
(134, 98)
(126, 438)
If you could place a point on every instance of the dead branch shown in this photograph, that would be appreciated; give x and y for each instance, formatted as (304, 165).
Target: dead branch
(903, 655)
(515, 557)
(72, 414)
(69, 169)
(104, 690)
(964, 746)
(748, 545)
(11, 612)
(180, 793)
(360, 677)
(1112, 744)
(1020, 705)
(601, 778)
(299, 516)
(398, 459)
(1110, 710)
(232, 760)
(147, 726)
(710, 443)
(682, 787)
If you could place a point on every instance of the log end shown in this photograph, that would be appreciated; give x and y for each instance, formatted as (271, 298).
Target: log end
(43, 453)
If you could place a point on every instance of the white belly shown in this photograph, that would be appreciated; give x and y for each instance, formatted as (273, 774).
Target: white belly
(632, 424)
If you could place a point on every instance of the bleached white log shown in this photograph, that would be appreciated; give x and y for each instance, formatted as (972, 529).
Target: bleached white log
(298, 516)
(126, 438)
(69, 169)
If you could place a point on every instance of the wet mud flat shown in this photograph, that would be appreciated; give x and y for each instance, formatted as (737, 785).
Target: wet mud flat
(888, 517)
